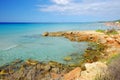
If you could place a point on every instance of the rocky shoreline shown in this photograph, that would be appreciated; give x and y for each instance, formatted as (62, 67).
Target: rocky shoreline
(92, 36)
(35, 70)
(112, 43)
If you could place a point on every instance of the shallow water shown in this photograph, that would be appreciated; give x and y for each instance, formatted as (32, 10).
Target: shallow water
(24, 41)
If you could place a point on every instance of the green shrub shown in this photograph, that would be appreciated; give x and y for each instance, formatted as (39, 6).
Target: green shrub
(111, 32)
(100, 30)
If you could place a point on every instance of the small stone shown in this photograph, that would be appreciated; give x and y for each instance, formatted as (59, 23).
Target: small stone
(16, 61)
(72, 65)
(31, 62)
(89, 48)
(47, 67)
(55, 70)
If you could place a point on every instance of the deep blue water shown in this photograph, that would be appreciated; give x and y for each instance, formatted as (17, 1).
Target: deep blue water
(24, 41)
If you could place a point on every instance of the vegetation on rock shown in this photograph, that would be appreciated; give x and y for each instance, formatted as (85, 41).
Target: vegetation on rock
(100, 30)
(113, 71)
(108, 32)
(94, 52)
(111, 32)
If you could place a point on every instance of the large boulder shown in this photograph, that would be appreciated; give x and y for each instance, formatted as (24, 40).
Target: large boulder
(92, 69)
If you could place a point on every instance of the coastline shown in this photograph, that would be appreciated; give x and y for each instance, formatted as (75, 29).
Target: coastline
(111, 24)
(55, 70)
(112, 43)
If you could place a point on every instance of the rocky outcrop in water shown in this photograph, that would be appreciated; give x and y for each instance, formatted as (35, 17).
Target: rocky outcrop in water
(45, 34)
(92, 36)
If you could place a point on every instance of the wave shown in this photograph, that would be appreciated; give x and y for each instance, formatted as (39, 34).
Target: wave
(10, 47)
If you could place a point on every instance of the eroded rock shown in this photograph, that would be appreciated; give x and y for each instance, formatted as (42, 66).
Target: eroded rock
(92, 69)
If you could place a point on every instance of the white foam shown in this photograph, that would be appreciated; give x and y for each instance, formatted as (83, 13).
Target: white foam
(10, 47)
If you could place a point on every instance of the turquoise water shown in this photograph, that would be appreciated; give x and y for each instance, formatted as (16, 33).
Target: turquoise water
(24, 41)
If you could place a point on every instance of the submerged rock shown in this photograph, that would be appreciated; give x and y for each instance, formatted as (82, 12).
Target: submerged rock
(68, 58)
(31, 62)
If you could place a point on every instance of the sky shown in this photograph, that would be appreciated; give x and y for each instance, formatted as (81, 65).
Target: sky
(59, 10)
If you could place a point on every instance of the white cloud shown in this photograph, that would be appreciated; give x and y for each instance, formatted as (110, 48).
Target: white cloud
(86, 7)
(62, 2)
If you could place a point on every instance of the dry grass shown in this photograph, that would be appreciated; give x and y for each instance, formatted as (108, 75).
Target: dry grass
(112, 73)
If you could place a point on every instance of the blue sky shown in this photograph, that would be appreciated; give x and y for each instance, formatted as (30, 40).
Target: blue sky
(59, 10)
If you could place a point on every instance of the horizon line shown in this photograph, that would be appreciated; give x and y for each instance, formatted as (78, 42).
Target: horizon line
(49, 22)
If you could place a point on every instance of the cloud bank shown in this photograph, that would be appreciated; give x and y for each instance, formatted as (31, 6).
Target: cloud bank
(83, 7)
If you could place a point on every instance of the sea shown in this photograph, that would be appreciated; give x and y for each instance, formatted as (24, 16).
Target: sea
(24, 41)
